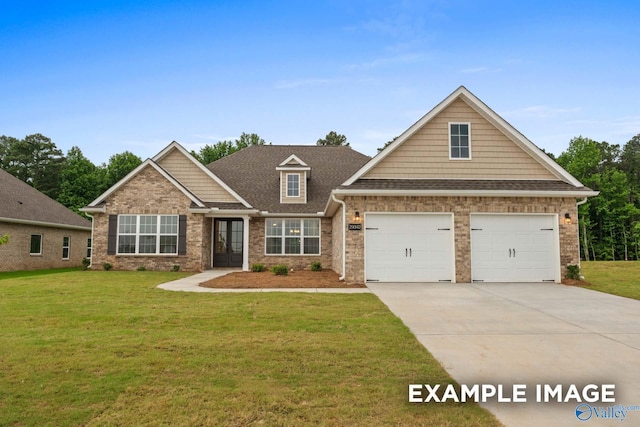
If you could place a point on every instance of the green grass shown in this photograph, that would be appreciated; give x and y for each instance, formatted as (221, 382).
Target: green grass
(30, 273)
(614, 277)
(109, 348)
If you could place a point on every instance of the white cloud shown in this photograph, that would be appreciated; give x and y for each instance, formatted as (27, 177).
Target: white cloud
(406, 58)
(540, 111)
(475, 70)
(292, 84)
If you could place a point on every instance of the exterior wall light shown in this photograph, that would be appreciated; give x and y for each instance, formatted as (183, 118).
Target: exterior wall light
(567, 218)
(357, 216)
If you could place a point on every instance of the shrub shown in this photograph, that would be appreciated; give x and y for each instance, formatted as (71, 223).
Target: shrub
(107, 266)
(86, 262)
(316, 266)
(175, 268)
(573, 272)
(280, 270)
(257, 268)
(142, 268)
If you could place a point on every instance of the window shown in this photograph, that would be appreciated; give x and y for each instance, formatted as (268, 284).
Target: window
(89, 248)
(65, 247)
(293, 185)
(147, 234)
(460, 141)
(36, 244)
(293, 236)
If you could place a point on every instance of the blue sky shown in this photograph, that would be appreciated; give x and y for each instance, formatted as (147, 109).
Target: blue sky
(110, 76)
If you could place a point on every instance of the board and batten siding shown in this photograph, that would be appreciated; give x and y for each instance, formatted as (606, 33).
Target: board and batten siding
(196, 180)
(425, 155)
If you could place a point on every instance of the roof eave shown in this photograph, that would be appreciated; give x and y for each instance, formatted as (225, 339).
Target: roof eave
(45, 224)
(482, 193)
(93, 209)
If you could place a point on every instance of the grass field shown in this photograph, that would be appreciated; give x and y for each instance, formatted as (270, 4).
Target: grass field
(109, 348)
(614, 277)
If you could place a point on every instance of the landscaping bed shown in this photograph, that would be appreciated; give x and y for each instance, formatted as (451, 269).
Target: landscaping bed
(266, 279)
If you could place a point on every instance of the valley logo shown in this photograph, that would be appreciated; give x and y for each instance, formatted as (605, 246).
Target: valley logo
(585, 412)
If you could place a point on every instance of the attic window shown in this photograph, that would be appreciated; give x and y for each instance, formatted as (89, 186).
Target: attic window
(459, 141)
(293, 185)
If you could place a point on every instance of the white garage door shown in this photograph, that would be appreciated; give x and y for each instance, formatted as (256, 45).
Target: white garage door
(409, 247)
(514, 248)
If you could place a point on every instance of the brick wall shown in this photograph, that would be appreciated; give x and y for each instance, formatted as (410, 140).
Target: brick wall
(150, 193)
(15, 254)
(462, 207)
(297, 262)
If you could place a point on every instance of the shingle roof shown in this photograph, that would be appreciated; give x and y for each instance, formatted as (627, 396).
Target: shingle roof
(252, 173)
(463, 185)
(20, 201)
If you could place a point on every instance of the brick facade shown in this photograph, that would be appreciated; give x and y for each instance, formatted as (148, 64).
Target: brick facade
(461, 207)
(151, 193)
(297, 262)
(15, 254)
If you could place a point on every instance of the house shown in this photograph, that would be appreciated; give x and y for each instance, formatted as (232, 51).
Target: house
(460, 196)
(42, 232)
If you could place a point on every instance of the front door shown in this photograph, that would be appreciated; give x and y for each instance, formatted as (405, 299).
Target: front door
(227, 243)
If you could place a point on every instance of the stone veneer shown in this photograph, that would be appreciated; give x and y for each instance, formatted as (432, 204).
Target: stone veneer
(15, 255)
(462, 207)
(297, 262)
(151, 193)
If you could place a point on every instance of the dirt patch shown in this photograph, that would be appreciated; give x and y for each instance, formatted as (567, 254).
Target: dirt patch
(266, 279)
(575, 282)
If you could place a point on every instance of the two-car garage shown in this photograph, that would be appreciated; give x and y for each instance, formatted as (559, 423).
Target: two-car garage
(421, 247)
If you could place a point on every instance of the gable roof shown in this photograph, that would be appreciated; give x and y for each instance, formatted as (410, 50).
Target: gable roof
(488, 114)
(21, 203)
(252, 173)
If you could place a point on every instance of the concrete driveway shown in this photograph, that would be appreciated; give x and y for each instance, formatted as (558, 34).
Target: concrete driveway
(528, 334)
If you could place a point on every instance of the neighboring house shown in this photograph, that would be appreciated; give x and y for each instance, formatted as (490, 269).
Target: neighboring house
(460, 196)
(42, 233)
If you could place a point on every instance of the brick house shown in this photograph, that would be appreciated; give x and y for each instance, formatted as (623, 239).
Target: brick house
(460, 196)
(42, 233)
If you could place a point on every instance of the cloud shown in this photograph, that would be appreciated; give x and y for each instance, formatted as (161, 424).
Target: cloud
(540, 111)
(476, 70)
(625, 125)
(406, 58)
(293, 84)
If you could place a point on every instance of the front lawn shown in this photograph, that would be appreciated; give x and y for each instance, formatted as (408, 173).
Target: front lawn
(613, 277)
(109, 348)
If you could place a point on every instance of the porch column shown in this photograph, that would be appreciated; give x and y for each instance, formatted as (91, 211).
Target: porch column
(245, 243)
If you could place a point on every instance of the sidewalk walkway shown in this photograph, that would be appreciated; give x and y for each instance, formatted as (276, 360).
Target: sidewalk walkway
(191, 284)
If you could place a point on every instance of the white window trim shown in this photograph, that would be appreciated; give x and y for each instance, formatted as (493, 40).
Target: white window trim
(302, 236)
(68, 247)
(449, 142)
(41, 244)
(287, 185)
(137, 235)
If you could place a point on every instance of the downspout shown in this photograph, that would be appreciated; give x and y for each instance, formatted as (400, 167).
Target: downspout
(578, 204)
(344, 236)
(91, 259)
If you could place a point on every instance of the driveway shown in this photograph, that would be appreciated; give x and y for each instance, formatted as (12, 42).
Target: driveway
(527, 334)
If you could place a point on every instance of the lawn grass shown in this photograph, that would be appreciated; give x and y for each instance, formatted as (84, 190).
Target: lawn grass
(29, 273)
(613, 277)
(109, 348)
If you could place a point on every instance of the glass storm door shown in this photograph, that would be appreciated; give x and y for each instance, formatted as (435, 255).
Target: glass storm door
(228, 242)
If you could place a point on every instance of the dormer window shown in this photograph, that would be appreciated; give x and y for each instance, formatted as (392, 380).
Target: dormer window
(293, 185)
(459, 141)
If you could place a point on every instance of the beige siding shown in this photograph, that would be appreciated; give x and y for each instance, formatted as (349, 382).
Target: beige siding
(196, 180)
(283, 188)
(426, 153)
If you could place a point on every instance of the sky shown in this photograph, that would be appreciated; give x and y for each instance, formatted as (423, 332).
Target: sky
(117, 75)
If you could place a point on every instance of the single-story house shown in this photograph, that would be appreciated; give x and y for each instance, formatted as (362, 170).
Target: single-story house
(42, 232)
(460, 196)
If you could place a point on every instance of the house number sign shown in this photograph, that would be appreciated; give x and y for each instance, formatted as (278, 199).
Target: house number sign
(353, 227)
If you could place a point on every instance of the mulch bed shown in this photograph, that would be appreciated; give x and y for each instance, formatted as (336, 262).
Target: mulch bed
(266, 279)
(574, 282)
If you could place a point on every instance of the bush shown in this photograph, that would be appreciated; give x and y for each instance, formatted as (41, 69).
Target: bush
(142, 268)
(280, 270)
(175, 268)
(86, 262)
(257, 268)
(573, 272)
(107, 266)
(316, 266)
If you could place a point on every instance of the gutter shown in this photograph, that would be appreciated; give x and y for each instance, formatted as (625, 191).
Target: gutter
(344, 236)
(45, 224)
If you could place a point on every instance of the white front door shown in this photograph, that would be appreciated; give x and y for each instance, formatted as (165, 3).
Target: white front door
(514, 248)
(408, 247)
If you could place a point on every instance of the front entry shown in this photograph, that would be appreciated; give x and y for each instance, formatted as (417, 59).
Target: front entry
(227, 244)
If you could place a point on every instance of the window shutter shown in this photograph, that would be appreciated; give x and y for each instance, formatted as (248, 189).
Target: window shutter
(113, 235)
(182, 235)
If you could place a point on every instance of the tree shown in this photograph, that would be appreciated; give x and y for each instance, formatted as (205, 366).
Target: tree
(119, 166)
(82, 181)
(35, 160)
(386, 144)
(4, 239)
(630, 164)
(210, 153)
(333, 138)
